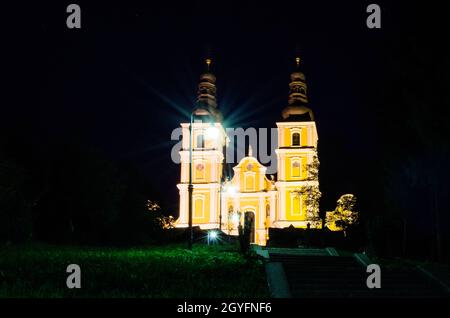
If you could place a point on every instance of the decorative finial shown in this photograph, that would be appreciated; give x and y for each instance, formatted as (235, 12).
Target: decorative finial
(208, 63)
(297, 61)
(250, 151)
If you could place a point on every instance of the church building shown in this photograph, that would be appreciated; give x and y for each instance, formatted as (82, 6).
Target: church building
(289, 198)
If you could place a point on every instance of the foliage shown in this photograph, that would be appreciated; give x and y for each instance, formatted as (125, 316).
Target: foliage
(311, 196)
(73, 194)
(311, 193)
(160, 272)
(313, 167)
(344, 216)
(158, 218)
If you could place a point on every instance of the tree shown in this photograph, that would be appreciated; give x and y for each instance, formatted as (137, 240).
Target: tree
(15, 207)
(311, 193)
(344, 216)
(159, 219)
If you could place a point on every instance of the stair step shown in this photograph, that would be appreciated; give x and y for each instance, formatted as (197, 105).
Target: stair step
(312, 276)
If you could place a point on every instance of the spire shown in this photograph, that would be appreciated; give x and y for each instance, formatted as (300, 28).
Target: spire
(298, 98)
(206, 104)
(297, 94)
(208, 62)
(297, 62)
(206, 94)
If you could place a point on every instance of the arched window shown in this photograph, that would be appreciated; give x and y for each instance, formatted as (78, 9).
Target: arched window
(296, 139)
(200, 141)
(296, 168)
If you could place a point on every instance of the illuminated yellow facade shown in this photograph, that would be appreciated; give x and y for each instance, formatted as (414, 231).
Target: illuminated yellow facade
(290, 199)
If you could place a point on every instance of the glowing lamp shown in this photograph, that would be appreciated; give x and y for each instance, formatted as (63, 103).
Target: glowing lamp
(212, 235)
(231, 190)
(212, 133)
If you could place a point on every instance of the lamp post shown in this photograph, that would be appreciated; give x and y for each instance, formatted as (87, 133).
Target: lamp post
(212, 133)
(190, 186)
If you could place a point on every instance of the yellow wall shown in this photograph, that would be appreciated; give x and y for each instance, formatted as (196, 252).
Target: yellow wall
(201, 213)
(250, 180)
(292, 207)
(288, 161)
(202, 176)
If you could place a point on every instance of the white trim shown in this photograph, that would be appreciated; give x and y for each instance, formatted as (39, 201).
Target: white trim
(237, 175)
(300, 150)
(300, 224)
(282, 206)
(213, 169)
(184, 154)
(262, 213)
(295, 123)
(310, 137)
(203, 226)
(262, 173)
(183, 205)
(293, 184)
(257, 194)
(213, 206)
(248, 208)
(280, 136)
(273, 204)
(199, 186)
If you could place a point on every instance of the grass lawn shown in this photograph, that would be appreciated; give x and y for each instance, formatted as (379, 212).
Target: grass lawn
(157, 271)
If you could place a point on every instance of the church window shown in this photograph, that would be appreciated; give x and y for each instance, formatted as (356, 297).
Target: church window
(200, 171)
(200, 141)
(295, 169)
(296, 139)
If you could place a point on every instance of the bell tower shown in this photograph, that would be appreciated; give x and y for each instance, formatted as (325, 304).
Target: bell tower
(203, 140)
(297, 182)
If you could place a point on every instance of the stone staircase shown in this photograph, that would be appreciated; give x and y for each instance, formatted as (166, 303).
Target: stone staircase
(311, 274)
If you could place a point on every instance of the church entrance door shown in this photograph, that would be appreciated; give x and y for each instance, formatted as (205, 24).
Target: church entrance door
(249, 224)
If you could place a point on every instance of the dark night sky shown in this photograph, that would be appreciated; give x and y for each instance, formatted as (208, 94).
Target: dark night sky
(129, 76)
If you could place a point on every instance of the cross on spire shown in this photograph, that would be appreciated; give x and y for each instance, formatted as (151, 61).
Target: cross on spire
(208, 62)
